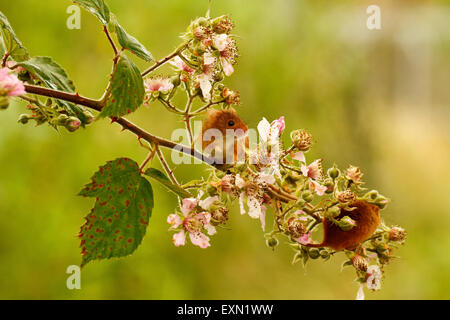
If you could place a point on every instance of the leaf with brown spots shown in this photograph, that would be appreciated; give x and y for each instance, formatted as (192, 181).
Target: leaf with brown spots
(118, 222)
(127, 89)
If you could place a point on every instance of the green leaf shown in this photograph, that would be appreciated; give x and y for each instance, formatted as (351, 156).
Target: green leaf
(53, 76)
(130, 43)
(49, 72)
(161, 178)
(124, 202)
(10, 43)
(127, 89)
(97, 8)
(2, 47)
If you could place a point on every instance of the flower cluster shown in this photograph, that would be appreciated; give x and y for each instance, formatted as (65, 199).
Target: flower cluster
(207, 56)
(272, 180)
(302, 196)
(51, 114)
(197, 217)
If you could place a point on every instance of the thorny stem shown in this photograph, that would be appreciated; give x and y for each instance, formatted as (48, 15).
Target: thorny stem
(163, 61)
(127, 125)
(36, 102)
(187, 120)
(186, 60)
(169, 106)
(202, 109)
(142, 134)
(5, 58)
(149, 157)
(288, 151)
(105, 30)
(166, 166)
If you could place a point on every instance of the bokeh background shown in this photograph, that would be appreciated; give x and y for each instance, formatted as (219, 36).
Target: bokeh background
(378, 99)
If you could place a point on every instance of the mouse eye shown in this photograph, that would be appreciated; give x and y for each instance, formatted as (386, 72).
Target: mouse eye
(231, 123)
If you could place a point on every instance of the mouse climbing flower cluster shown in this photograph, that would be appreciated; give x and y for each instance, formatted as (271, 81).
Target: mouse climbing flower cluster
(290, 195)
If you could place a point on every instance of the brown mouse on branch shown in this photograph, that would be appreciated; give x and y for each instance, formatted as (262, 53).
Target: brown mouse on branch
(224, 133)
(367, 218)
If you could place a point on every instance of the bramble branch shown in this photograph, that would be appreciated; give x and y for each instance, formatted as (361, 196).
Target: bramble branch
(127, 125)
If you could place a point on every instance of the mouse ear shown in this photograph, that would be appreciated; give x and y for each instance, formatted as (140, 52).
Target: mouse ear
(233, 110)
(211, 112)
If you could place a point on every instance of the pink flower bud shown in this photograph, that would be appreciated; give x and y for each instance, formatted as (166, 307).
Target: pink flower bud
(73, 124)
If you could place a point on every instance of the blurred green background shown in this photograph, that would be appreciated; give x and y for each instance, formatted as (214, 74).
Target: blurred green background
(377, 99)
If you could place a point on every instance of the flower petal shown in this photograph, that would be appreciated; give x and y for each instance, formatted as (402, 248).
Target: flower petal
(205, 85)
(208, 59)
(188, 205)
(179, 239)
(227, 66)
(221, 41)
(174, 220)
(205, 204)
(210, 229)
(318, 188)
(199, 239)
(360, 294)
(239, 182)
(305, 239)
(254, 207)
(241, 202)
(264, 177)
(10, 84)
(300, 156)
(280, 124)
(262, 217)
(264, 129)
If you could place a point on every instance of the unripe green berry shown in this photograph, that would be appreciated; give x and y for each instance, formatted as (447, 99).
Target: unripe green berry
(333, 212)
(314, 253)
(4, 103)
(301, 202)
(272, 242)
(61, 120)
(211, 190)
(346, 223)
(202, 21)
(324, 254)
(333, 172)
(89, 117)
(23, 118)
(307, 196)
(175, 80)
